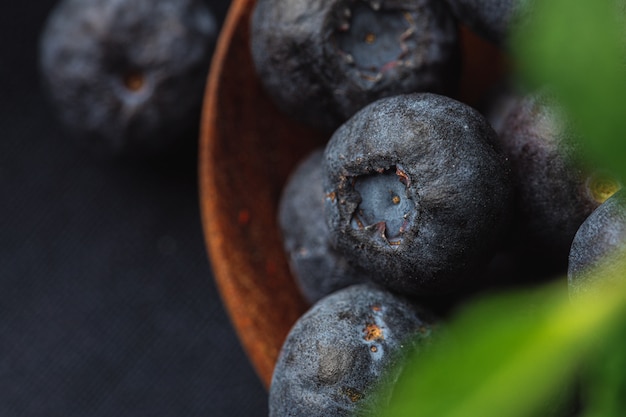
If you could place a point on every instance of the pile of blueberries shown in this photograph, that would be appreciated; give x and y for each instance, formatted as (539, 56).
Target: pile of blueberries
(418, 200)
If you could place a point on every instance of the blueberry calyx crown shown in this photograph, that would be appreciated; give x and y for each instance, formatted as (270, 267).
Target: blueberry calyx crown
(385, 205)
(374, 40)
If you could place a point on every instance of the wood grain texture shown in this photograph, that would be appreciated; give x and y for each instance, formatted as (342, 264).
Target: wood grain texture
(247, 150)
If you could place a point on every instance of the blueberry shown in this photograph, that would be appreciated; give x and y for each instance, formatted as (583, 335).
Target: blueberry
(127, 77)
(600, 237)
(322, 62)
(342, 348)
(416, 192)
(316, 266)
(556, 191)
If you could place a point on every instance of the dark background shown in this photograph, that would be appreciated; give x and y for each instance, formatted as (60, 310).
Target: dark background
(107, 301)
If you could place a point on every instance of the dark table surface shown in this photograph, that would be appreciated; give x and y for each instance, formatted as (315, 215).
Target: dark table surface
(107, 301)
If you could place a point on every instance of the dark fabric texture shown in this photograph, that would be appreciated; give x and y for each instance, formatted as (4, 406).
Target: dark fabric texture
(107, 301)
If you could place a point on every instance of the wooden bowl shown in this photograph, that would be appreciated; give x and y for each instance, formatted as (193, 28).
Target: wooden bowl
(247, 150)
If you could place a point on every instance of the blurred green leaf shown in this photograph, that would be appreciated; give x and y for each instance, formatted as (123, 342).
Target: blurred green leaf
(604, 376)
(577, 47)
(507, 355)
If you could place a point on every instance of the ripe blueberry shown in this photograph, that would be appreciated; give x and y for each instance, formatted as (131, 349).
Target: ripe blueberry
(315, 265)
(342, 348)
(600, 237)
(416, 192)
(555, 191)
(322, 62)
(127, 77)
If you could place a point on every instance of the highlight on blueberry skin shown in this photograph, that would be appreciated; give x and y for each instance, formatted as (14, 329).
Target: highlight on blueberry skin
(322, 61)
(343, 349)
(599, 240)
(417, 193)
(126, 77)
(316, 266)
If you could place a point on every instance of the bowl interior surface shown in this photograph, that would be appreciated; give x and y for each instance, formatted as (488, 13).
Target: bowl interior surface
(247, 150)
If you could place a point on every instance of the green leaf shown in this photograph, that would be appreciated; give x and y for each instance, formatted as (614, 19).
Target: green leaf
(604, 376)
(577, 47)
(507, 355)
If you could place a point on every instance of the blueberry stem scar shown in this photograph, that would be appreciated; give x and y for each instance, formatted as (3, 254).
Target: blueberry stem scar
(385, 205)
(134, 80)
